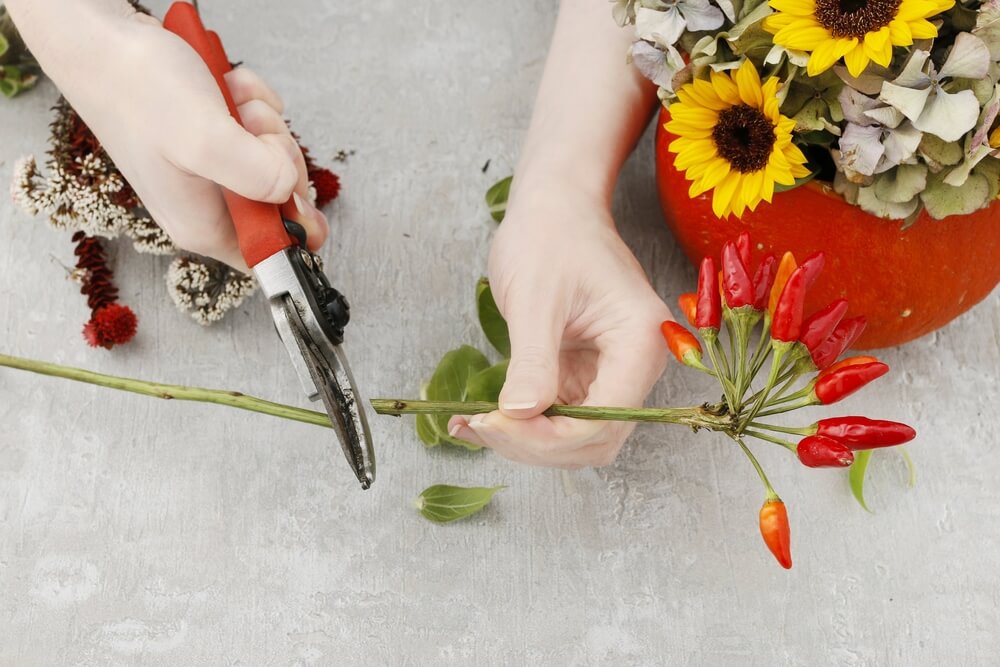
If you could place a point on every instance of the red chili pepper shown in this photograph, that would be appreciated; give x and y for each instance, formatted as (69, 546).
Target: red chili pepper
(681, 342)
(832, 387)
(821, 324)
(736, 284)
(820, 451)
(787, 322)
(743, 247)
(709, 299)
(844, 363)
(846, 333)
(688, 303)
(785, 269)
(865, 433)
(763, 278)
(775, 530)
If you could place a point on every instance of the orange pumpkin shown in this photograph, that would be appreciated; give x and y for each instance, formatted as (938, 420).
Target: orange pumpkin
(906, 282)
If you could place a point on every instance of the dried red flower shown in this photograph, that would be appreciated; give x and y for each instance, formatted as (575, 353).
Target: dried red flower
(114, 324)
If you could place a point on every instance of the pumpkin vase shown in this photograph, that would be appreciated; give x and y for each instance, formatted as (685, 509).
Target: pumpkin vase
(907, 282)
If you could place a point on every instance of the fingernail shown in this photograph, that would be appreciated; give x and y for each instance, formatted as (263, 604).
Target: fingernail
(476, 419)
(300, 205)
(519, 405)
(454, 430)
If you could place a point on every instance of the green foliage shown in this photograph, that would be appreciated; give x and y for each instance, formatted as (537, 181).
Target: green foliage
(856, 476)
(490, 319)
(449, 383)
(443, 503)
(486, 384)
(496, 198)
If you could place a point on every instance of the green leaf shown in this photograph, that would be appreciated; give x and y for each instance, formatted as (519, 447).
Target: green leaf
(911, 469)
(857, 476)
(449, 383)
(4, 44)
(486, 385)
(496, 198)
(443, 503)
(778, 187)
(490, 319)
(942, 200)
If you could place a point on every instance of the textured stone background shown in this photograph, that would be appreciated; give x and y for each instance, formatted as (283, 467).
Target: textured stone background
(134, 531)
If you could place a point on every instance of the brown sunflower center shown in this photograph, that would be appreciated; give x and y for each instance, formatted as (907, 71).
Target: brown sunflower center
(855, 18)
(744, 137)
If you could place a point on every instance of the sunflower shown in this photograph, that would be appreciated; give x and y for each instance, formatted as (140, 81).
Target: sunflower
(731, 137)
(859, 31)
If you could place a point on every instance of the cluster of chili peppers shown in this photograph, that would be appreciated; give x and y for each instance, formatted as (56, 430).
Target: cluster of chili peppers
(773, 295)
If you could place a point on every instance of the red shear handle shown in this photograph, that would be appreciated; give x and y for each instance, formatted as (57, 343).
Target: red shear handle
(259, 227)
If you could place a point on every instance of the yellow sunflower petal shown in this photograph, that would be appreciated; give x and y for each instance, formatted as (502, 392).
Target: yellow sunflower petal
(701, 96)
(899, 33)
(696, 116)
(748, 83)
(857, 60)
(878, 47)
(753, 182)
(725, 88)
(910, 10)
(802, 39)
(775, 22)
(767, 190)
(828, 53)
(922, 29)
(723, 195)
(794, 7)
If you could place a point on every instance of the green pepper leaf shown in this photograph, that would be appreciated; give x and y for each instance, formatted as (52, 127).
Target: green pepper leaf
(778, 187)
(490, 319)
(449, 383)
(911, 468)
(857, 476)
(486, 385)
(443, 503)
(496, 198)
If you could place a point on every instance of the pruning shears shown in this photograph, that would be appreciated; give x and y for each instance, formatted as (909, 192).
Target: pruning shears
(309, 315)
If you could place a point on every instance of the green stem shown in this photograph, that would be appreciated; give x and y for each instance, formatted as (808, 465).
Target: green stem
(713, 347)
(694, 416)
(770, 438)
(776, 363)
(698, 417)
(771, 495)
(783, 429)
(788, 407)
(232, 399)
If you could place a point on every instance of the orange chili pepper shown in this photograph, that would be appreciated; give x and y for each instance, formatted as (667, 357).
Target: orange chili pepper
(844, 363)
(785, 268)
(689, 306)
(682, 343)
(775, 530)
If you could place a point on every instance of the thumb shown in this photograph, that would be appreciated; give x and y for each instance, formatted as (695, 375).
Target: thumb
(261, 168)
(533, 374)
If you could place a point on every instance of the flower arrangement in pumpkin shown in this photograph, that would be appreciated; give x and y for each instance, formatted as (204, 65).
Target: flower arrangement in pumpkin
(893, 101)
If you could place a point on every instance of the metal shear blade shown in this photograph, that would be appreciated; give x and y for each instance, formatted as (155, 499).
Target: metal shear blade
(335, 385)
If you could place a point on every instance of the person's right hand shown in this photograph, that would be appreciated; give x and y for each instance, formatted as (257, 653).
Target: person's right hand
(156, 109)
(584, 328)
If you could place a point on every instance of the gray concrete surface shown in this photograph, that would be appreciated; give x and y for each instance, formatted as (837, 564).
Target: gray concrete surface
(140, 532)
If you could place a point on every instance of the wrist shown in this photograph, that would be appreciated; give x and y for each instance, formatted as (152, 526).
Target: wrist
(68, 38)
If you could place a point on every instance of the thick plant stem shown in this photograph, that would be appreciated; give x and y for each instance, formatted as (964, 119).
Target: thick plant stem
(698, 417)
(232, 399)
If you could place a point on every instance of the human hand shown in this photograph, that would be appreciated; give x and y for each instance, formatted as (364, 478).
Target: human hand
(159, 114)
(584, 328)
